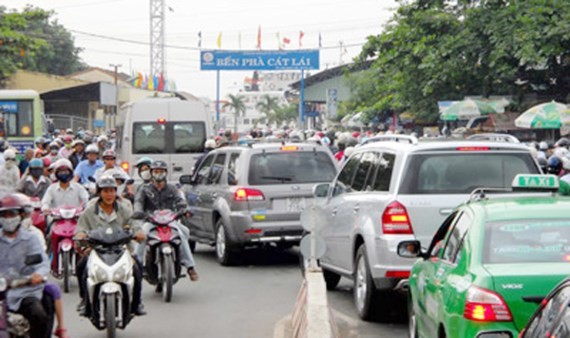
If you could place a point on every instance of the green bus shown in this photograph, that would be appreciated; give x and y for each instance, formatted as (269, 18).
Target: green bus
(21, 117)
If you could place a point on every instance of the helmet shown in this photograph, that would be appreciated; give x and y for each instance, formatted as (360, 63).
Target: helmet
(106, 181)
(36, 163)
(62, 163)
(554, 165)
(116, 174)
(67, 138)
(40, 140)
(210, 144)
(54, 144)
(102, 138)
(9, 154)
(12, 202)
(109, 153)
(76, 142)
(159, 165)
(144, 160)
(47, 162)
(92, 148)
(69, 131)
(543, 146)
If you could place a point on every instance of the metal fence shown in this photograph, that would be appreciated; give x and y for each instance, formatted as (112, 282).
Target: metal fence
(66, 121)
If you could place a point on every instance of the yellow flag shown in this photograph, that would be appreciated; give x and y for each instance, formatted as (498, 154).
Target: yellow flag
(219, 40)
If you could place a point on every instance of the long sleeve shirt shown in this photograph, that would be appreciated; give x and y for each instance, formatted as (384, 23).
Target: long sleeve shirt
(94, 217)
(13, 265)
(149, 199)
(56, 196)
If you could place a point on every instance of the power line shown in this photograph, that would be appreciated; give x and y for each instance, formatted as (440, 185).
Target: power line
(87, 4)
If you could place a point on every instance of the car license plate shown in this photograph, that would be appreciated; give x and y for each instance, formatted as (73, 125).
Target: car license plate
(295, 204)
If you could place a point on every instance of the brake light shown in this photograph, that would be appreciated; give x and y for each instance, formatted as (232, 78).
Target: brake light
(473, 148)
(395, 220)
(253, 231)
(125, 166)
(486, 306)
(398, 274)
(161, 121)
(289, 148)
(245, 194)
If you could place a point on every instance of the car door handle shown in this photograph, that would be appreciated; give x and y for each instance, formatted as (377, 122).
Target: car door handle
(445, 211)
(333, 213)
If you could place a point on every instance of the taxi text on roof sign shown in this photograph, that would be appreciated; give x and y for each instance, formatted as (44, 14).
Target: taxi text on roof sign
(536, 182)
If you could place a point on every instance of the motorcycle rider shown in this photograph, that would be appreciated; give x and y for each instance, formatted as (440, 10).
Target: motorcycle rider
(78, 153)
(66, 150)
(143, 170)
(159, 195)
(87, 168)
(34, 183)
(16, 247)
(9, 172)
(64, 191)
(106, 211)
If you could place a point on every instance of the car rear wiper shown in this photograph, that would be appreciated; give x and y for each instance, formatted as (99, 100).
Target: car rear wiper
(278, 178)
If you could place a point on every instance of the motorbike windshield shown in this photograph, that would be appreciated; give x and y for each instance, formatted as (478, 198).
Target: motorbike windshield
(109, 237)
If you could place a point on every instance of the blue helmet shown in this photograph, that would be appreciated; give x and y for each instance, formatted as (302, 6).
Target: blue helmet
(554, 165)
(36, 163)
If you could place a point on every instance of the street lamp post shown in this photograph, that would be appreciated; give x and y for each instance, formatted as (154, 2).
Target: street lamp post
(113, 119)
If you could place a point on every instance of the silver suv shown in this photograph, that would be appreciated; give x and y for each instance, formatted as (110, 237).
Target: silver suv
(397, 189)
(248, 196)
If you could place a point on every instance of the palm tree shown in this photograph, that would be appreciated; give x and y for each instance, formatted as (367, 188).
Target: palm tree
(287, 113)
(236, 104)
(268, 107)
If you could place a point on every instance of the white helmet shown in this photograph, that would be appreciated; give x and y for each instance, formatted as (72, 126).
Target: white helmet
(210, 144)
(348, 151)
(92, 148)
(9, 154)
(543, 145)
(560, 152)
(62, 163)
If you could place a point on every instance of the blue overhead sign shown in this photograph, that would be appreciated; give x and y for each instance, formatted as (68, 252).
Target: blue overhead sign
(259, 60)
(9, 107)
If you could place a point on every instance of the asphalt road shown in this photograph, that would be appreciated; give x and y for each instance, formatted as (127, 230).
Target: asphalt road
(244, 301)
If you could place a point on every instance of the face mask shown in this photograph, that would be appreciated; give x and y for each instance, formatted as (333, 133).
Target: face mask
(52, 177)
(63, 177)
(145, 175)
(68, 145)
(36, 172)
(10, 225)
(53, 151)
(159, 177)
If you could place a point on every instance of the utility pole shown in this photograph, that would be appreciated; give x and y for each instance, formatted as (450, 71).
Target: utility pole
(157, 38)
(112, 121)
(340, 53)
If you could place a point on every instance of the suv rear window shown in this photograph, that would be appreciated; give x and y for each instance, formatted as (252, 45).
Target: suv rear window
(290, 167)
(461, 173)
(168, 138)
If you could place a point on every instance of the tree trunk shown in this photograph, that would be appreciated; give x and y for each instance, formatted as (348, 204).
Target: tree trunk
(236, 123)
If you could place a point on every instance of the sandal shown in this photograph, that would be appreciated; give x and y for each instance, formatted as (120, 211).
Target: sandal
(61, 333)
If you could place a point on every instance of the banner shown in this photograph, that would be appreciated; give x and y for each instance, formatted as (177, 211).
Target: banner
(259, 60)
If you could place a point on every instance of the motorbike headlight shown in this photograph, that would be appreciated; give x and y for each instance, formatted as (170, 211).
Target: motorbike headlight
(121, 273)
(99, 274)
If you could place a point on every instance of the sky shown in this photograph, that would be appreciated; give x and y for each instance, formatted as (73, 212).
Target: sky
(95, 23)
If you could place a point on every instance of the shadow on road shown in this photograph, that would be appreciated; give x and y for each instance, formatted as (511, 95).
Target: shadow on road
(263, 256)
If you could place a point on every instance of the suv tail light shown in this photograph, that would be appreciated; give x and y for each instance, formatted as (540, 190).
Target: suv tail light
(245, 194)
(485, 305)
(395, 220)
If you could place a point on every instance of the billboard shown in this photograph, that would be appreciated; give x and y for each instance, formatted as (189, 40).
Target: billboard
(259, 60)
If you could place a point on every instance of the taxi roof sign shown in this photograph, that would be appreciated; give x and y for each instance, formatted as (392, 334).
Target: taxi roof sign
(535, 182)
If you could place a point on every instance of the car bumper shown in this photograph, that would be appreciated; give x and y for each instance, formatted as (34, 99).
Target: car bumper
(247, 231)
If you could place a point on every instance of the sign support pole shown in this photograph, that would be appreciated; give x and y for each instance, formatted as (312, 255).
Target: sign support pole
(302, 102)
(217, 98)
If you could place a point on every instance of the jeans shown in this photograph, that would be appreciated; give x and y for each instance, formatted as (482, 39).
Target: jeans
(81, 271)
(40, 314)
(186, 258)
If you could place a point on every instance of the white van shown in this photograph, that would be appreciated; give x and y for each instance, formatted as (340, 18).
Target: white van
(167, 129)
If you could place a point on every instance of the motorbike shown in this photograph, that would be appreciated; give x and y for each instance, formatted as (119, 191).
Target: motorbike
(110, 280)
(162, 258)
(14, 325)
(38, 217)
(64, 257)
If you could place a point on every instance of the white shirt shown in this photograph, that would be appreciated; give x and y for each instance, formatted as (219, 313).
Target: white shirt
(75, 195)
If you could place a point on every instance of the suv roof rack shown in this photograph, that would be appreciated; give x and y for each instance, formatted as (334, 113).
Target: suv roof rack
(393, 138)
(494, 137)
(479, 193)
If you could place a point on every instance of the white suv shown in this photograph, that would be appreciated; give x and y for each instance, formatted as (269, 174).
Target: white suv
(399, 189)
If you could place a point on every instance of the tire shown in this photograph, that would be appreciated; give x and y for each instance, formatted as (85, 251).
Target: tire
(110, 316)
(66, 261)
(364, 292)
(331, 279)
(226, 254)
(412, 320)
(167, 277)
(192, 245)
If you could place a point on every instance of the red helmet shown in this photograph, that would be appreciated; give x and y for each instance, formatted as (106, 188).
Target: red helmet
(67, 139)
(355, 134)
(47, 162)
(12, 202)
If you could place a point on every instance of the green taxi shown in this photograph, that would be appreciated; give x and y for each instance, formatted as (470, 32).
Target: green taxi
(490, 263)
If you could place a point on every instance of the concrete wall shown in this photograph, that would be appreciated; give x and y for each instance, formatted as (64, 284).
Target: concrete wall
(318, 91)
(40, 82)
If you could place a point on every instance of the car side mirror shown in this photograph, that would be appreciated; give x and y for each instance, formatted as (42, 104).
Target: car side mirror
(33, 259)
(321, 190)
(410, 249)
(186, 179)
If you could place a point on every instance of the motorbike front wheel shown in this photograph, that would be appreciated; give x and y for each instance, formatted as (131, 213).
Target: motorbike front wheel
(110, 315)
(167, 277)
(66, 262)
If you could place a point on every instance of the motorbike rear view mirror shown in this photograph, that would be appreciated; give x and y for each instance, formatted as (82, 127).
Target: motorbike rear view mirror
(186, 179)
(33, 259)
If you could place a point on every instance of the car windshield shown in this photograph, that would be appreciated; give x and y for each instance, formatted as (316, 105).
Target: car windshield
(290, 167)
(526, 241)
(461, 173)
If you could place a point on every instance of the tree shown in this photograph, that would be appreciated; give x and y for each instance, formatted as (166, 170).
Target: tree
(236, 103)
(285, 114)
(29, 40)
(268, 106)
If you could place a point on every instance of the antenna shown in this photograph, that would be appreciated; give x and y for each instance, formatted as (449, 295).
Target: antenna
(157, 36)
